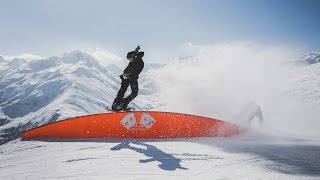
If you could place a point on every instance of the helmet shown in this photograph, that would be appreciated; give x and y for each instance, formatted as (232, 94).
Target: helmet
(131, 54)
(135, 54)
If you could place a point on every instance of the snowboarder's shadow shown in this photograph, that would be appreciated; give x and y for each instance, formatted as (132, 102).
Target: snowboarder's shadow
(167, 161)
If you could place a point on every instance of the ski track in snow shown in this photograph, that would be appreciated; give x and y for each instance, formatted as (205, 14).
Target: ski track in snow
(246, 156)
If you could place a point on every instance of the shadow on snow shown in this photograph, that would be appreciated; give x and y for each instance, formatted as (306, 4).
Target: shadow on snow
(167, 161)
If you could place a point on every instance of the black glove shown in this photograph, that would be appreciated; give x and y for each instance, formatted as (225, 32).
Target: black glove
(137, 49)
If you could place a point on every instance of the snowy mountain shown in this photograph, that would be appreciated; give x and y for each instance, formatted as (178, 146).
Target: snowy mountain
(40, 91)
(312, 58)
(2, 60)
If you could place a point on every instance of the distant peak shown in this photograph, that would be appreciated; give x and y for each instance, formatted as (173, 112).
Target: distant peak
(77, 54)
(27, 57)
(1, 58)
(312, 57)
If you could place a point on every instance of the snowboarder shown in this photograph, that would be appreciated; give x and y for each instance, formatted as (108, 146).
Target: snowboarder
(129, 77)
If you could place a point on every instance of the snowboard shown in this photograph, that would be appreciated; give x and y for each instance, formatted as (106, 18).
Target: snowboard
(128, 109)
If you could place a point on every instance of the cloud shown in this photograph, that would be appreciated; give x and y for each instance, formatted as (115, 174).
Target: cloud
(105, 57)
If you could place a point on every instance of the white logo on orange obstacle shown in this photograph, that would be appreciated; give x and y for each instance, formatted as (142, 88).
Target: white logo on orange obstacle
(146, 122)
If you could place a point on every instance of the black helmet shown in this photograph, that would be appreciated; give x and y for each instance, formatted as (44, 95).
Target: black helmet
(131, 54)
(135, 54)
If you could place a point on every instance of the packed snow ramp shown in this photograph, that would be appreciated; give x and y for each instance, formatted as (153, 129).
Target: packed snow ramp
(134, 125)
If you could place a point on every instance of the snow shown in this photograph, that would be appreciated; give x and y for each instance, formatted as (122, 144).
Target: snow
(220, 80)
(247, 156)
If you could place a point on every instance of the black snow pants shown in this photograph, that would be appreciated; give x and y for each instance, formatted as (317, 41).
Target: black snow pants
(120, 102)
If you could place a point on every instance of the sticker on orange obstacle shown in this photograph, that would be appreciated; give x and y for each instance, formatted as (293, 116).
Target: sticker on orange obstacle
(129, 121)
(146, 122)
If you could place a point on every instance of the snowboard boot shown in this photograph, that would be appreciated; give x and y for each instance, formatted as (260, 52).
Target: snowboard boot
(124, 104)
(116, 105)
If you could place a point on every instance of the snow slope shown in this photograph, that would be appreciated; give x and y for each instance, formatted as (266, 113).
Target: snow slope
(248, 156)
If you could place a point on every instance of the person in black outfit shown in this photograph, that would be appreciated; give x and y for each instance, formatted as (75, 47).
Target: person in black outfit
(129, 77)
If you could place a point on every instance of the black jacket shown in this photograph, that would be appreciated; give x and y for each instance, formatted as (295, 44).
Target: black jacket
(135, 67)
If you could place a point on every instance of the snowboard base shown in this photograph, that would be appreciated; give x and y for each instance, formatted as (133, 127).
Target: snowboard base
(128, 109)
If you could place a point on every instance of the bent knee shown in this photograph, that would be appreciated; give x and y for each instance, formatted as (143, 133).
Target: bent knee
(135, 92)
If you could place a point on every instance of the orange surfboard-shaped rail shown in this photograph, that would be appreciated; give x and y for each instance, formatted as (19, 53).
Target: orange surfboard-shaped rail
(141, 124)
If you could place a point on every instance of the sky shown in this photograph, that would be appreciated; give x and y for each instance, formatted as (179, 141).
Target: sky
(51, 27)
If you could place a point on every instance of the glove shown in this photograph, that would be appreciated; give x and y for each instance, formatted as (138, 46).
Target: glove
(137, 49)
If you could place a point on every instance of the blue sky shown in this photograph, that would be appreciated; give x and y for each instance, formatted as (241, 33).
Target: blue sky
(50, 27)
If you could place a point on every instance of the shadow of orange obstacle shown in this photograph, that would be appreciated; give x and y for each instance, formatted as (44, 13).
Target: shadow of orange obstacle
(140, 124)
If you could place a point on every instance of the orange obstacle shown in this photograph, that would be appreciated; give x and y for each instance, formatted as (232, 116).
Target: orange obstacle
(141, 124)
